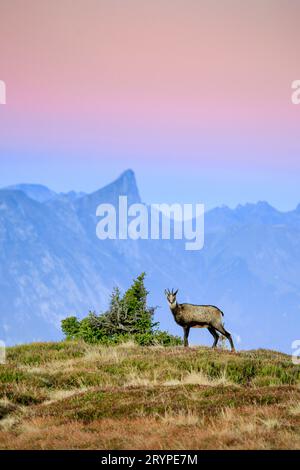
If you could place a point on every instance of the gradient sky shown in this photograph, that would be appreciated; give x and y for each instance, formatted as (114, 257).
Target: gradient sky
(194, 95)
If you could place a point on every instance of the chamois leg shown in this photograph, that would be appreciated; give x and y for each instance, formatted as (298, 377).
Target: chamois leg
(222, 330)
(215, 335)
(186, 330)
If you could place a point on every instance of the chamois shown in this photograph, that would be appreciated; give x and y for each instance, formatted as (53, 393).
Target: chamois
(198, 316)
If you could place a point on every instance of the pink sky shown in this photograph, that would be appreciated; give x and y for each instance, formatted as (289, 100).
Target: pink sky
(184, 84)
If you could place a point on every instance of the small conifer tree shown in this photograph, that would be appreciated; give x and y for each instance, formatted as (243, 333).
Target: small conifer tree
(128, 317)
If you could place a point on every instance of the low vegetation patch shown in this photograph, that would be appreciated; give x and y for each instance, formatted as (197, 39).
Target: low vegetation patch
(78, 395)
(128, 319)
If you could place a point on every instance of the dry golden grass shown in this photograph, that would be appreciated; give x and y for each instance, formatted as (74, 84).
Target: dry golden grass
(232, 429)
(200, 378)
(182, 418)
(57, 395)
(295, 409)
(76, 396)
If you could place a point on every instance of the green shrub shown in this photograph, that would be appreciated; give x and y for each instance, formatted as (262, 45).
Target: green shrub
(128, 318)
(70, 327)
(165, 339)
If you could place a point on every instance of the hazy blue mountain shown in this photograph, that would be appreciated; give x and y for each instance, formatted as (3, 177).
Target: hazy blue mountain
(37, 192)
(52, 265)
(41, 193)
(70, 196)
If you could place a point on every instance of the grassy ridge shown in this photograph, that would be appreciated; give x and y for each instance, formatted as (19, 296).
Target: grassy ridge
(73, 395)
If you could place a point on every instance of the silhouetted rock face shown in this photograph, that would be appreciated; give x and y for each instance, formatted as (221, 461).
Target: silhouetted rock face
(52, 265)
(124, 185)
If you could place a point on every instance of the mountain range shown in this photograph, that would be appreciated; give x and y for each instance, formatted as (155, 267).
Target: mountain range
(52, 266)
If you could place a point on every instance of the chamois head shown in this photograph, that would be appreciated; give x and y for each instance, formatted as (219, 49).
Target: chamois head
(171, 297)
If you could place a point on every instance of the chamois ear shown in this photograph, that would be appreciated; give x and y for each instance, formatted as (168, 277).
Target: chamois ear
(166, 292)
(175, 293)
